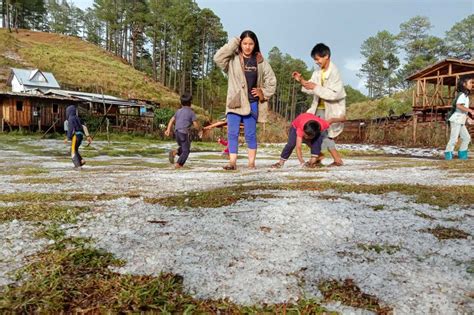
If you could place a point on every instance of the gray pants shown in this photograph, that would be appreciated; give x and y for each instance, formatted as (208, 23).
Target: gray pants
(328, 144)
(456, 131)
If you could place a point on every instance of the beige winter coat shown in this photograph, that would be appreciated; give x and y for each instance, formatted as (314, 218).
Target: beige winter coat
(231, 62)
(332, 93)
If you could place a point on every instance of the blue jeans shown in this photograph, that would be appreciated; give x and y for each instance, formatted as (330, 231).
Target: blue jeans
(250, 128)
(184, 148)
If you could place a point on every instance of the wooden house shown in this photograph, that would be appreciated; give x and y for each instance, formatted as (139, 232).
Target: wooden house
(33, 111)
(31, 81)
(435, 85)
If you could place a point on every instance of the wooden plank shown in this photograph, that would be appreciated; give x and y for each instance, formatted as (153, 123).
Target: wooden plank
(447, 76)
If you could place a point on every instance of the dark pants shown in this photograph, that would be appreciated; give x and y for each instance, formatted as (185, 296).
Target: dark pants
(75, 144)
(314, 144)
(184, 148)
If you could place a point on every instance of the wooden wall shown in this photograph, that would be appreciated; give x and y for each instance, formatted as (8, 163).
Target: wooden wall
(35, 111)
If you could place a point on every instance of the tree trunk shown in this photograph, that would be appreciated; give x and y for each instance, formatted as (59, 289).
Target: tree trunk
(4, 24)
(153, 56)
(8, 18)
(163, 59)
(133, 39)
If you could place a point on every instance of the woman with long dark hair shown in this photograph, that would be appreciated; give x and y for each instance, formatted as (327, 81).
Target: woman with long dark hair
(251, 83)
(458, 118)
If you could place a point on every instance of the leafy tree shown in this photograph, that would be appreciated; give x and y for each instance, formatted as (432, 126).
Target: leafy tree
(421, 48)
(460, 39)
(380, 63)
(92, 27)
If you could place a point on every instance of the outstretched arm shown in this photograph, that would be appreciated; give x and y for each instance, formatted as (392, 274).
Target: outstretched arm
(215, 125)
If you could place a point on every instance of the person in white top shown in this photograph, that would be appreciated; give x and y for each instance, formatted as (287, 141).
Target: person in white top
(329, 97)
(458, 118)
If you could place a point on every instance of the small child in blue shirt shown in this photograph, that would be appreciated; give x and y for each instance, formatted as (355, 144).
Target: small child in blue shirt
(183, 119)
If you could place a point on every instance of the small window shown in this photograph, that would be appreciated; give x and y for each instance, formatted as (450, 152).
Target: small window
(55, 108)
(19, 106)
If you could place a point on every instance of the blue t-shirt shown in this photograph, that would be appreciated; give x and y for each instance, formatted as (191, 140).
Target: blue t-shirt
(184, 119)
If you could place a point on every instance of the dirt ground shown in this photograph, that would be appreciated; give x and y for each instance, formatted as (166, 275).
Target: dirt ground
(398, 222)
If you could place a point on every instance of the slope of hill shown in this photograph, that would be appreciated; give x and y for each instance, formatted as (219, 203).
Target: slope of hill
(397, 104)
(77, 63)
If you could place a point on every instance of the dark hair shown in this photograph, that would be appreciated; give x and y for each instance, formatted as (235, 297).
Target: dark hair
(256, 48)
(186, 99)
(312, 129)
(320, 50)
(460, 87)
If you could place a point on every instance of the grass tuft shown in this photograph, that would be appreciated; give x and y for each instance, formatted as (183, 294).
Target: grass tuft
(73, 277)
(444, 233)
(379, 248)
(38, 212)
(348, 293)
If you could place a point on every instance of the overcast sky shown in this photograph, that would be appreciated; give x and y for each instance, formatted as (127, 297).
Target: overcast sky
(295, 26)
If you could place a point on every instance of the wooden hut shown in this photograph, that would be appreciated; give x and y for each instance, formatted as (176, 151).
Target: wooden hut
(435, 85)
(33, 111)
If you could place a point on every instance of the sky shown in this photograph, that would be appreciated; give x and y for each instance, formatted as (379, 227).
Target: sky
(295, 26)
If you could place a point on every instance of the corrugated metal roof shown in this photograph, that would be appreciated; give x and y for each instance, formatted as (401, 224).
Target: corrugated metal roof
(94, 98)
(53, 97)
(30, 78)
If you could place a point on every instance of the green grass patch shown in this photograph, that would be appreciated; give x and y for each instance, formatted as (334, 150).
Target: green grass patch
(73, 277)
(470, 266)
(128, 163)
(41, 212)
(24, 171)
(457, 166)
(39, 180)
(424, 216)
(378, 207)
(348, 293)
(442, 196)
(215, 198)
(379, 248)
(445, 233)
(55, 197)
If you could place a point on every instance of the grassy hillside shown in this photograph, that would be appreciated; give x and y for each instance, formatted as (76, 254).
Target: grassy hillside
(399, 103)
(75, 62)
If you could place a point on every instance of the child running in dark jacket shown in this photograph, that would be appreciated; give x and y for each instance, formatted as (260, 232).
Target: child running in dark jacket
(307, 128)
(76, 132)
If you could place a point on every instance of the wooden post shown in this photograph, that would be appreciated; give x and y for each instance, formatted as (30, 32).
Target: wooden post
(39, 125)
(415, 120)
(107, 122)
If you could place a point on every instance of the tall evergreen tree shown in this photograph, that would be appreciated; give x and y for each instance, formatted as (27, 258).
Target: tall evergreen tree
(380, 63)
(460, 39)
